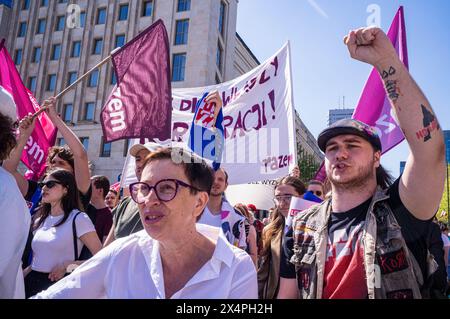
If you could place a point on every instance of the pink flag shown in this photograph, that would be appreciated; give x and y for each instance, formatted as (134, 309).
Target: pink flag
(44, 134)
(140, 105)
(374, 107)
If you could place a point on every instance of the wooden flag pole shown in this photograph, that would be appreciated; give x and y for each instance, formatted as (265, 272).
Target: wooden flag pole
(81, 78)
(60, 94)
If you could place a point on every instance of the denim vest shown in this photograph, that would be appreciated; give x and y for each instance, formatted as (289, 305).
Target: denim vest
(390, 267)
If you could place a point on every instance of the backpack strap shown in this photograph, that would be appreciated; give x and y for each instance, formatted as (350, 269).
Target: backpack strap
(75, 237)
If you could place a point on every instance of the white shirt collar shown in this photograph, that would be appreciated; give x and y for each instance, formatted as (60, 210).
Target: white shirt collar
(223, 253)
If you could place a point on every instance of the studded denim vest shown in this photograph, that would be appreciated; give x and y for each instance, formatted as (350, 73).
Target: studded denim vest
(390, 267)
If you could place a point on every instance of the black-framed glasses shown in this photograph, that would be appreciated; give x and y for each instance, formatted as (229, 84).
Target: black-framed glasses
(165, 190)
(49, 184)
(280, 198)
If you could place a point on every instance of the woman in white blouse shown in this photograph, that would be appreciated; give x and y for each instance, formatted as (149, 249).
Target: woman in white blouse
(53, 235)
(173, 257)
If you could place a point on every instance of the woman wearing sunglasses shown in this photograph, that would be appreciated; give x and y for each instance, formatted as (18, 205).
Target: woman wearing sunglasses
(53, 232)
(270, 260)
(173, 257)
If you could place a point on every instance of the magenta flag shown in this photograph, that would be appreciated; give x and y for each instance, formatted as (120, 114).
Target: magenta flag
(44, 135)
(374, 107)
(140, 105)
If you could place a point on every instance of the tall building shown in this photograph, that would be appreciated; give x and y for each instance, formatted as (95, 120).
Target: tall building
(307, 140)
(244, 59)
(339, 114)
(5, 17)
(54, 42)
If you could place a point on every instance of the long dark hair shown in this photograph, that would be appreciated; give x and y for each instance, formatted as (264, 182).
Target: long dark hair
(277, 221)
(69, 202)
(384, 178)
(7, 136)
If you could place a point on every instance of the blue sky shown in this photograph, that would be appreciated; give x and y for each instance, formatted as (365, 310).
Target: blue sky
(323, 71)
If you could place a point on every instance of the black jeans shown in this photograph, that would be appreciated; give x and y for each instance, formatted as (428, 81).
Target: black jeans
(35, 282)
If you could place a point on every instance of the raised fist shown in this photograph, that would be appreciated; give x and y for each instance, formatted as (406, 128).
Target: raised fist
(370, 45)
(50, 107)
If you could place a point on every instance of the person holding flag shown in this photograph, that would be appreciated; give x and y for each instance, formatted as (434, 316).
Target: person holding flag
(369, 239)
(15, 219)
(43, 135)
(72, 158)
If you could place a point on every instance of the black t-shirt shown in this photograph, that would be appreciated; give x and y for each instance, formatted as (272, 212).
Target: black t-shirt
(349, 224)
(436, 247)
(84, 198)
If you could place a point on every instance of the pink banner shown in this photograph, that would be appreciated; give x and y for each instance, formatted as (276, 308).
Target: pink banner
(374, 107)
(44, 134)
(140, 105)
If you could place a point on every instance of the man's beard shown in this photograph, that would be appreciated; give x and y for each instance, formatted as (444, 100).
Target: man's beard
(215, 193)
(365, 174)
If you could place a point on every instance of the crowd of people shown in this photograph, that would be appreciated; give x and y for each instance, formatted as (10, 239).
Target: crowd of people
(177, 236)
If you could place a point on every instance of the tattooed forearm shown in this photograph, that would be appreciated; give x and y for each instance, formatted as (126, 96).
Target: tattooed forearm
(391, 88)
(385, 74)
(430, 124)
(391, 85)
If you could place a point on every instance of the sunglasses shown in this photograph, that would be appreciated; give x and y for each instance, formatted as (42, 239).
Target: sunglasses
(49, 184)
(317, 193)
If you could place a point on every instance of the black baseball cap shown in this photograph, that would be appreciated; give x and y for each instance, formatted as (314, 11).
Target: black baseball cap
(349, 126)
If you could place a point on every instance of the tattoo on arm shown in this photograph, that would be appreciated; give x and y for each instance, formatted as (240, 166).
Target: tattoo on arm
(391, 88)
(430, 124)
(391, 85)
(385, 74)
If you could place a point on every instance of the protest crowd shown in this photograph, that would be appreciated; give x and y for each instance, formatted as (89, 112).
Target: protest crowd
(172, 232)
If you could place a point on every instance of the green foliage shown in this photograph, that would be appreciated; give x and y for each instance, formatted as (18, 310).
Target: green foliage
(444, 202)
(307, 164)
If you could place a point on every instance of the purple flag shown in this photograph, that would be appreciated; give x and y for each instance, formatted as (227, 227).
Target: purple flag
(140, 105)
(374, 107)
(44, 135)
(321, 174)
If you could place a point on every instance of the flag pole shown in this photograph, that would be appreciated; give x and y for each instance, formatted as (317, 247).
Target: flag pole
(87, 73)
(60, 94)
